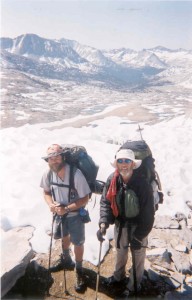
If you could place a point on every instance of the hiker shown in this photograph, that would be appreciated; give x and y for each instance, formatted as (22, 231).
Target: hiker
(127, 202)
(65, 203)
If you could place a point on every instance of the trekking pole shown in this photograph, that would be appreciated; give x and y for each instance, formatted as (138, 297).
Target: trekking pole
(98, 271)
(134, 272)
(50, 247)
(133, 261)
(64, 271)
(50, 250)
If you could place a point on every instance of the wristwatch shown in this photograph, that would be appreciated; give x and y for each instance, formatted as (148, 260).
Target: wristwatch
(67, 209)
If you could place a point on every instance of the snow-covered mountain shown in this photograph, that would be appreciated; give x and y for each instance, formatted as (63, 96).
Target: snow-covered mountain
(33, 45)
(66, 59)
(69, 60)
(90, 54)
(75, 78)
(136, 59)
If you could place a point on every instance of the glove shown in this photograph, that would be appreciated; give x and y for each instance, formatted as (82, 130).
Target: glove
(136, 244)
(101, 232)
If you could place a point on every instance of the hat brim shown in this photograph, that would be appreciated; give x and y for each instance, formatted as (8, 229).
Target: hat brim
(52, 155)
(137, 163)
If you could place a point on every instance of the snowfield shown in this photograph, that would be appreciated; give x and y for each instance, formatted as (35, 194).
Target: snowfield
(22, 168)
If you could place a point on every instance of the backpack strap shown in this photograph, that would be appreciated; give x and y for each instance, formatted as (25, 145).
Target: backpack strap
(53, 194)
(70, 186)
(71, 181)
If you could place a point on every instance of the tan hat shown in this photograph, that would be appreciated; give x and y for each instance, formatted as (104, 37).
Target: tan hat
(127, 153)
(53, 150)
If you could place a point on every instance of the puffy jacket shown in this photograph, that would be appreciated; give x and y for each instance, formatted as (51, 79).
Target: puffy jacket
(143, 190)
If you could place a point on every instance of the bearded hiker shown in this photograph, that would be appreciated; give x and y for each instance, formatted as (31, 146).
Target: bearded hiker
(127, 202)
(65, 203)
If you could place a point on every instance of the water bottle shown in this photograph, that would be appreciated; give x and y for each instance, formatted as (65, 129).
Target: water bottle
(84, 215)
(82, 212)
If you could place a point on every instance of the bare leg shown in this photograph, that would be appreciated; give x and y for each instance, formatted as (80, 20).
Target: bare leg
(79, 251)
(66, 242)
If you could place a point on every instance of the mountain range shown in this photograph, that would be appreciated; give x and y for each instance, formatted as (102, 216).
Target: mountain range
(69, 60)
(63, 71)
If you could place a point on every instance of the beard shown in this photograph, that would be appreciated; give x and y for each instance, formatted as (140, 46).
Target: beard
(56, 167)
(126, 173)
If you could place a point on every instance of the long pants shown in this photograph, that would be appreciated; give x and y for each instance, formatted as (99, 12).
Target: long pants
(122, 256)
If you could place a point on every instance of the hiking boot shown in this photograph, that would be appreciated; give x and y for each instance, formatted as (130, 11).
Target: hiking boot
(127, 293)
(111, 281)
(80, 282)
(63, 263)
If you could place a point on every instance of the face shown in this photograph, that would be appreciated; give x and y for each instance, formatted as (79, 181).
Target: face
(55, 163)
(125, 167)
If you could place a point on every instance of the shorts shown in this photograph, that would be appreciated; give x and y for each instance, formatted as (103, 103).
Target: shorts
(72, 226)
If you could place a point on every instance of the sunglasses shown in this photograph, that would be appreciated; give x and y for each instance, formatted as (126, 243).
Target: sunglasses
(126, 160)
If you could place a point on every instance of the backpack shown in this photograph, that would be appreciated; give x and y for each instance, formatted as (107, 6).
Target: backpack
(77, 157)
(147, 168)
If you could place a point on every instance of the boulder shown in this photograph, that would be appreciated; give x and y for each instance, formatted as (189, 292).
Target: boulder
(181, 261)
(189, 204)
(16, 253)
(184, 294)
(163, 222)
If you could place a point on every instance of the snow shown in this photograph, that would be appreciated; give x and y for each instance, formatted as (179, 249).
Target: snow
(22, 167)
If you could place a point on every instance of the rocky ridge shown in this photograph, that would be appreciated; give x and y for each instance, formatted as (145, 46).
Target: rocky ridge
(168, 268)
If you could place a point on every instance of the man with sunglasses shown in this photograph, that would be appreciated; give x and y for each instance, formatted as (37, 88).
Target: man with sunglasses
(127, 202)
(64, 202)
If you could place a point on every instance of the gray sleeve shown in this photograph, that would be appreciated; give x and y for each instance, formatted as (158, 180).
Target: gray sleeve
(81, 184)
(45, 181)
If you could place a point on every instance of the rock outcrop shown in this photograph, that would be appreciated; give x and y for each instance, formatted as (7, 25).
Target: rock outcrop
(16, 254)
(169, 256)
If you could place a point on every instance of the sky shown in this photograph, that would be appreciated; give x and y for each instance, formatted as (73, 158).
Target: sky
(102, 24)
(22, 167)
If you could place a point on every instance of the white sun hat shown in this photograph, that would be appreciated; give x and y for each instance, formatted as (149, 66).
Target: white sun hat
(127, 153)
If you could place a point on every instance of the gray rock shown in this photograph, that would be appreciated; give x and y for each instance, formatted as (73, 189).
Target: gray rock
(172, 282)
(184, 294)
(180, 216)
(161, 270)
(188, 281)
(185, 235)
(154, 275)
(175, 280)
(155, 252)
(181, 248)
(190, 257)
(164, 222)
(178, 244)
(189, 204)
(189, 221)
(157, 239)
(178, 277)
(16, 253)
(183, 223)
(160, 259)
(181, 261)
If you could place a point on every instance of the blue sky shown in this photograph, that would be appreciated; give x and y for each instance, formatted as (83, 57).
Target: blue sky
(102, 24)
